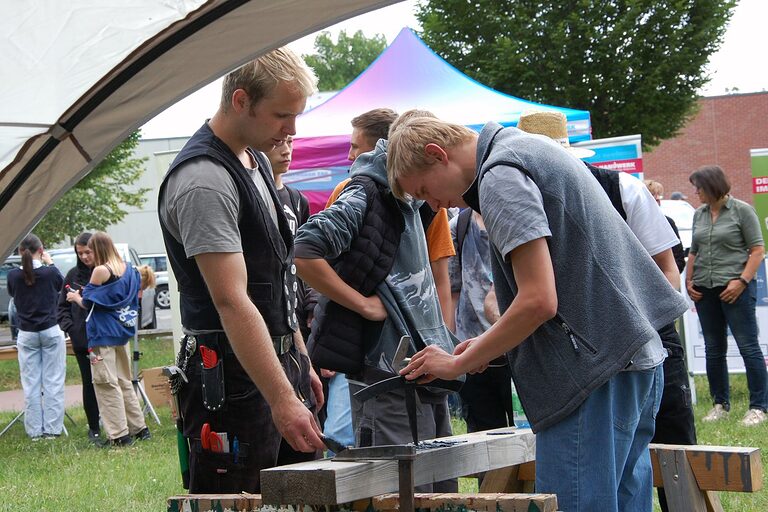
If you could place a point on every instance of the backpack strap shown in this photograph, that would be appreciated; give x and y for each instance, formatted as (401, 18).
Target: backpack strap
(462, 225)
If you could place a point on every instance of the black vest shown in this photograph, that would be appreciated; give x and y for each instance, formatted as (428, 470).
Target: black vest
(338, 334)
(267, 249)
(609, 180)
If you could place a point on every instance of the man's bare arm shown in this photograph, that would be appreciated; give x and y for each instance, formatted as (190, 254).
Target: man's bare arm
(666, 262)
(226, 277)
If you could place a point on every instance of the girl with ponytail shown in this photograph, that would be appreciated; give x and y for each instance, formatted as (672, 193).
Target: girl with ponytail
(35, 289)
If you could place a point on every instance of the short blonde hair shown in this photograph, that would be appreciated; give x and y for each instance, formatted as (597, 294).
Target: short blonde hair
(407, 116)
(655, 188)
(405, 152)
(260, 76)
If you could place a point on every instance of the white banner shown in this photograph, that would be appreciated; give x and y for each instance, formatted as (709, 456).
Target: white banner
(694, 341)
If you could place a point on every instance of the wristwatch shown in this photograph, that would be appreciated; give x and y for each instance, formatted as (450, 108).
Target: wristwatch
(744, 281)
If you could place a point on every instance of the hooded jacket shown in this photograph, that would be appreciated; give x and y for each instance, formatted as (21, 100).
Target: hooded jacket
(113, 310)
(70, 316)
(408, 290)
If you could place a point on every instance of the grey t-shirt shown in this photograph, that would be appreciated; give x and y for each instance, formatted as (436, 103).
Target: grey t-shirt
(513, 211)
(201, 207)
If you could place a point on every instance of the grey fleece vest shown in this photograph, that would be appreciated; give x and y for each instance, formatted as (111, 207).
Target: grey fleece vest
(612, 297)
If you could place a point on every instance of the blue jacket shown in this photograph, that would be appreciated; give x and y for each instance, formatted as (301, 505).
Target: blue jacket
(113, 310)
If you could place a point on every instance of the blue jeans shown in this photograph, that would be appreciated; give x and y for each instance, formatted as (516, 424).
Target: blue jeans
(597, 458)
(42, 365)
(338, 423)
(715, 317)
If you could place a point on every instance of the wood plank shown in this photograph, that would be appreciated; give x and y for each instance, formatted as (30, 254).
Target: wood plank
(491, 502)
(507, 502)
(243, 502)
(328, 482)
(682, 491)
(718, 468)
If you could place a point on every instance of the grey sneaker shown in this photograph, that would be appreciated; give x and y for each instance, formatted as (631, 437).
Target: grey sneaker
(717, 413)
(753, 417)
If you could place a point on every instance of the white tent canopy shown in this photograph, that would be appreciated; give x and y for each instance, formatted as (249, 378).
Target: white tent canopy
(79, 76)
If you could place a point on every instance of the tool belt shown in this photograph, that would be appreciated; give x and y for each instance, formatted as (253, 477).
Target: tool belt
(219, 340)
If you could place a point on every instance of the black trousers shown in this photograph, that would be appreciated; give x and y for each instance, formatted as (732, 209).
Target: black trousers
(245, 415)
(89, 395)
(487, 398)
(674, 421)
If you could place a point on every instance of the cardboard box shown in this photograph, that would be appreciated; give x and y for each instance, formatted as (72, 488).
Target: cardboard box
(156, 386)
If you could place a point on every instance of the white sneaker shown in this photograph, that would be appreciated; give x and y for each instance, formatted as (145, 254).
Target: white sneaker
(718, 412)
(753, 417)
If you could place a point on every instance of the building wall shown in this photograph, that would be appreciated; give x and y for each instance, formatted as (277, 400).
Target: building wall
(140, 228)
(721, 133)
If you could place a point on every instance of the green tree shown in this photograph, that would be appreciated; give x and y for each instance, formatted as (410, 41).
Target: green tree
(98, 200)
(337, 64)
(636, 65)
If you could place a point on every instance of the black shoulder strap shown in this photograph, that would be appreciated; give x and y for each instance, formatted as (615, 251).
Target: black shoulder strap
(427, 215)
(462, 225)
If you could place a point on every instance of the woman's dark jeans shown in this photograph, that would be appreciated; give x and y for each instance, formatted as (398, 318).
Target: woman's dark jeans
(715, 317)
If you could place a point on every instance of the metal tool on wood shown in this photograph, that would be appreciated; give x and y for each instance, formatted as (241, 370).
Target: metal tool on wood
(398, 381)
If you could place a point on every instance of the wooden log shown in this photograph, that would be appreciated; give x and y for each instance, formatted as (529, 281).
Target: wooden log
(329, 482)
(491, 502)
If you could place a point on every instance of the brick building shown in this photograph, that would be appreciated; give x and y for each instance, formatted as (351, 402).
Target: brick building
(721, 133)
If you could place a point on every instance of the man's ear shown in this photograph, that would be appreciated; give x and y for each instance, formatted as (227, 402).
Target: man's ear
(239, 100)
(436, 152)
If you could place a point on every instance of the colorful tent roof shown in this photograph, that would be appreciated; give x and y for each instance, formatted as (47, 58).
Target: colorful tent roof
(408, 74)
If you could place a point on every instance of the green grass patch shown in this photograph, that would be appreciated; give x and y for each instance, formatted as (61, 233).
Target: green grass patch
(70, 474)
(154, 352)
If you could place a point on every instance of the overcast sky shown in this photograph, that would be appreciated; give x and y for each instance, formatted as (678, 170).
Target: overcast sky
(740, 63)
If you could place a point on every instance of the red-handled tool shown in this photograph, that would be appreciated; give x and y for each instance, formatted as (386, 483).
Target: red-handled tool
(209, 357)
(205, 435)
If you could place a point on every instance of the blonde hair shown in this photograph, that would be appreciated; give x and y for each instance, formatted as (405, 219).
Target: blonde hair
(147, 277)
(406, 154)
(655, 188)
(260, 76)
(105, 252)
(407, 116)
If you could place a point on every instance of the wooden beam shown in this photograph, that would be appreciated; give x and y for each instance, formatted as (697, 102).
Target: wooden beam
(490, 502)
(682, 491)
(243, 502)
(717, 468)
(329, 482)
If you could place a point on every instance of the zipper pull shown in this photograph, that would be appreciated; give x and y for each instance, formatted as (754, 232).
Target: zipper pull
(569, 332)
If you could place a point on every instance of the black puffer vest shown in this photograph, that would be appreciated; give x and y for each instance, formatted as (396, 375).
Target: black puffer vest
(267, 249)
(338, 334)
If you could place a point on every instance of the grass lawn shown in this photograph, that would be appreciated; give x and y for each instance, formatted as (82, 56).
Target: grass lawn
(70, 474)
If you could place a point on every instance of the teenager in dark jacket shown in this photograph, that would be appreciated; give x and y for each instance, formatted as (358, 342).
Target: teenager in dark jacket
(42, 367)
(71, 318)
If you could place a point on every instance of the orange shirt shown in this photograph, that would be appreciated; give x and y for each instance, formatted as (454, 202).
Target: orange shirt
(439, 241)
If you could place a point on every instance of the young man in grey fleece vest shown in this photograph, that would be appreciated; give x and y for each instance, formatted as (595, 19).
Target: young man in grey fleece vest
(581, 303)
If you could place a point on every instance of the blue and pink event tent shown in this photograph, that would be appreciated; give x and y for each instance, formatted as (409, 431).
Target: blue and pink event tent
(406, 75)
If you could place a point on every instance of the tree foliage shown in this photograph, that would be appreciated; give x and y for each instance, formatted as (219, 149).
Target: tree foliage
(98, 200)
(337, 64)
(636, 65)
